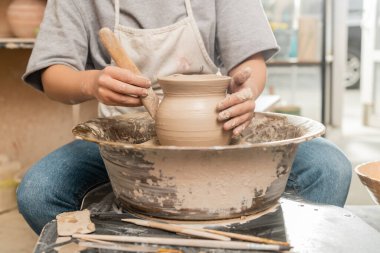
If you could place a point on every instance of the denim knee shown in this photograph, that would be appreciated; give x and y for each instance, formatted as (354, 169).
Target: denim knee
(37, 199)
(321, 173)
(58, 182)
(31, 202)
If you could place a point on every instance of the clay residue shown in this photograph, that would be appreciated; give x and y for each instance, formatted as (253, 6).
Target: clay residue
(229, 183)
(242, 76)
(244, 94)
(270, 129)
(214, 223)
(130, 128)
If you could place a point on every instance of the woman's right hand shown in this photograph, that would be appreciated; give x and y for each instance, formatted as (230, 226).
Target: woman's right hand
(110, 86)
(119, 87)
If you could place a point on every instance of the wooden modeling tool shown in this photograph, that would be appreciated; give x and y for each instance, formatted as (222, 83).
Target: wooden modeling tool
(248, 238)
(117, 247)
(177, 229)
(199, 243)
(207, 232)
(121, 58)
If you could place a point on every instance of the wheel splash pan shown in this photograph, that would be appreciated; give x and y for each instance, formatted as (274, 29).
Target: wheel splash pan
(198, 183)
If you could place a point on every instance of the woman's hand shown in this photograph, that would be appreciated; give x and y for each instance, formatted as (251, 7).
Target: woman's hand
(119, 87)
(237, 109)
(111, 86)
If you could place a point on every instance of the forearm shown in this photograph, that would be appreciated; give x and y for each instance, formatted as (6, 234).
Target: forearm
(69, 86)
(256, 65)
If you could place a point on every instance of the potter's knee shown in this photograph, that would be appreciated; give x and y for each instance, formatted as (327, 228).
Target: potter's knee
(337, 165)
(322, 159)
(34, 199)
(30, 196)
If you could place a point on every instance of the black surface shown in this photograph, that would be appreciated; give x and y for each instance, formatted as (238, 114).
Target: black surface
(308, 227)
(110, 223)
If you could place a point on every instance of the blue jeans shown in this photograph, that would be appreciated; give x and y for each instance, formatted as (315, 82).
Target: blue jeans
(57, 183)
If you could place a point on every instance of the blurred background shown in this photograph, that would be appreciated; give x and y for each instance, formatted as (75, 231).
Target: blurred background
(328, 70)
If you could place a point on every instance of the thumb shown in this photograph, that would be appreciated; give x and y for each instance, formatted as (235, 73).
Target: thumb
(239, 78)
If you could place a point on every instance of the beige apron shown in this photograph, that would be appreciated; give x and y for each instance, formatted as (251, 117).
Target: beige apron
(177, 48)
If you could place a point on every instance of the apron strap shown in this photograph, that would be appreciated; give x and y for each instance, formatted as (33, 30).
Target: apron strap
(189, 9)
(117, 13)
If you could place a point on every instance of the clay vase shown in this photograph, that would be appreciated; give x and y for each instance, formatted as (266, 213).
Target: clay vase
(24, 17)
(187, 115)
(5, 30)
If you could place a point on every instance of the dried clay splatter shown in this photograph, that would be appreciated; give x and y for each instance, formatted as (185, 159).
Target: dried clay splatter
(216, 187)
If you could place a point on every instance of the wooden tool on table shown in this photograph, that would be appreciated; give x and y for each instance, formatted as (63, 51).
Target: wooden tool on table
(248, 238)
(199, 243)
(208, 233)
(177, 229)
(118, 54)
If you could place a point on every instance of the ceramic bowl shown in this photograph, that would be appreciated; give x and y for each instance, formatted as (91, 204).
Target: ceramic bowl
(369, 174)
(198, 183)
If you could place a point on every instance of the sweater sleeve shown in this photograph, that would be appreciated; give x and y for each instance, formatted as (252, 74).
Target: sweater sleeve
(62, 39)
(242, 31)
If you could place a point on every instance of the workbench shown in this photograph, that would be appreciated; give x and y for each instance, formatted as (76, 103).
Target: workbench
(306, 226)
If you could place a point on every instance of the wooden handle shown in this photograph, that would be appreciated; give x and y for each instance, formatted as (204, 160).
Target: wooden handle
(116, 51)
(177, 229)
(121, 58)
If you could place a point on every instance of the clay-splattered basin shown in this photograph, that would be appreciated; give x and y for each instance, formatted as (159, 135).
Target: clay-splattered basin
(198, 183)
(369, 174)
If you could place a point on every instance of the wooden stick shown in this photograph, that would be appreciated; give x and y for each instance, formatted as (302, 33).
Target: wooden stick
(249, 238)
(97, 241)
(177, 229)
(117, 247)
(186, 242)
(227, 235)
(116, 51)
(121, 58)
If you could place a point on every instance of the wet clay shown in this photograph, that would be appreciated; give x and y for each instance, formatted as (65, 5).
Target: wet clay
(187, 115)
(199, 183)
(244, 94)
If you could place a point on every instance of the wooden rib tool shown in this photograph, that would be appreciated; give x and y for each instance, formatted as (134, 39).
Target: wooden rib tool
(118, 54)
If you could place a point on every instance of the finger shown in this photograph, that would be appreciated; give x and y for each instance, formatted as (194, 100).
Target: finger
(240, 77)
(238, 130)
(127, 76)
(109, 97)
(235, 98)
(117, 86)
(237, 121)
(236, 110)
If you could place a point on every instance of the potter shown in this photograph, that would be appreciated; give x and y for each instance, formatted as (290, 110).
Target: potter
(71, 66)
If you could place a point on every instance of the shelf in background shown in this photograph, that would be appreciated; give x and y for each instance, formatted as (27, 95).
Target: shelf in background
(296, 62)
(17, 43)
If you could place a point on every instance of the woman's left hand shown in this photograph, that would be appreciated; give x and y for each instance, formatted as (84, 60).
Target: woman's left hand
(237, 109)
